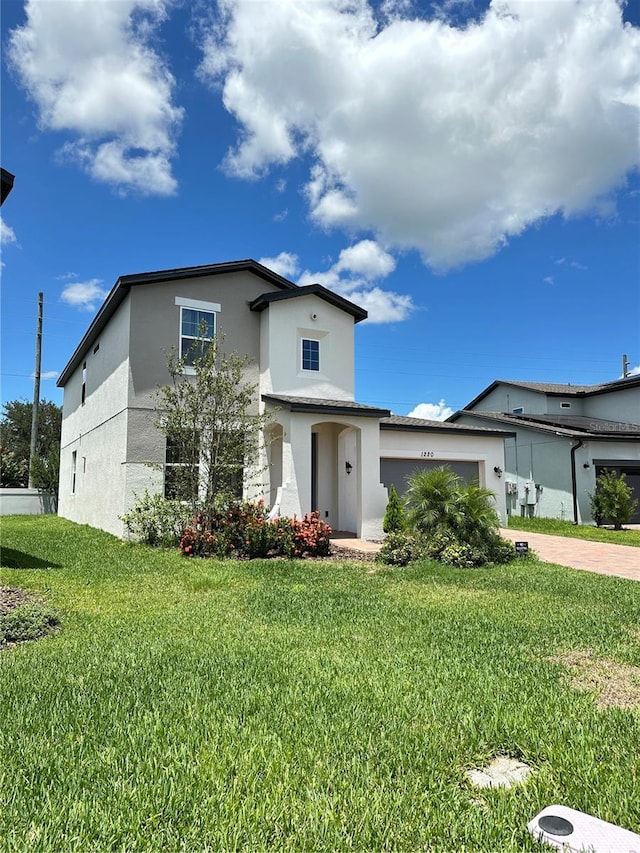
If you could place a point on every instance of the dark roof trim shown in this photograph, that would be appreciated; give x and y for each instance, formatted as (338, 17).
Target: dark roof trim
(326, 407)
(442, 426)
(124, 284)
(7, 183)
(265, 299)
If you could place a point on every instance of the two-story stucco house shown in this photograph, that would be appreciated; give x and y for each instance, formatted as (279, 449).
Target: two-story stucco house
(565, 436)
(325, 452)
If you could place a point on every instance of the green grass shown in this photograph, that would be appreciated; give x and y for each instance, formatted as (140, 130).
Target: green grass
(260, 706)
(576, 531)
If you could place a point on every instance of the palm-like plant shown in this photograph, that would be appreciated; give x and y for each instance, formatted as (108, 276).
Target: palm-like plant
(438, 502)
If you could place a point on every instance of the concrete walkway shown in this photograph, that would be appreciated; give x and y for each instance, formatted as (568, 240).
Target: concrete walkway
(622, 561)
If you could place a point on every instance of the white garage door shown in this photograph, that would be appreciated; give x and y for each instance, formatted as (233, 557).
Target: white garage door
(397, 471)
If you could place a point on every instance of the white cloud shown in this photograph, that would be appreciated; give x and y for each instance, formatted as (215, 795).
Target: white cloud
(84, 294)
(48, 374)
(446, 139)
(89, 67)
(431, 411)
(353, 276)
(7, 234)
(549, 279)
(634, 371)
(285, 264)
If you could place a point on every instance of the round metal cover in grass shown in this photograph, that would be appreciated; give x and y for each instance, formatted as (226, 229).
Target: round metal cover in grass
(555, 825)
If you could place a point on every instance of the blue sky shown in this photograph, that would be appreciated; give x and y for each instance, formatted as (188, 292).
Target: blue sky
(467, 172)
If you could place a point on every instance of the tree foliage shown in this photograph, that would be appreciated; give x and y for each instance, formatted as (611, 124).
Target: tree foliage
(211, 420)
(15, 440)
(613, 501)
(394, 518)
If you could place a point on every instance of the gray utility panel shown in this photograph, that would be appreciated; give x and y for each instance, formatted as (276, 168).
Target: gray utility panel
(397, 471)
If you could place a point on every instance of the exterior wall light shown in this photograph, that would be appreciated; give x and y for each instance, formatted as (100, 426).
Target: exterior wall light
(497, 471)
(348, 467)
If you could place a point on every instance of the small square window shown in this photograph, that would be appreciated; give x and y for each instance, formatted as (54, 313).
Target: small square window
(310, 354)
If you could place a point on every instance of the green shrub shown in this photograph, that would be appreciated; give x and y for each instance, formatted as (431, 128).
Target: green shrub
(612, 502)
(155, 520)
(398, 549)
(27, 622)
(395, 520)
(455, 521)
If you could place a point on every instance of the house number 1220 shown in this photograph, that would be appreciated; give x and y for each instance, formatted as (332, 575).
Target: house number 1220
(427, 454)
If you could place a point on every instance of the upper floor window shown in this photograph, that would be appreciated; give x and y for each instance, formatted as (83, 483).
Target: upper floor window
(310, 354)
(565, 405)
(518, 410)
(197, 328)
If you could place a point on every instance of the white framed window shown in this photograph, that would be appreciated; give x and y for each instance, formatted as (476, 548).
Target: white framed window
(565, 405)
(518, 410)
(197, 327)
(74, 464)
(310, 354)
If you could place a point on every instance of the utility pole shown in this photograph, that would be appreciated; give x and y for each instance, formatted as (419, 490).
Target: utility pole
(625, 366)
(36, 392)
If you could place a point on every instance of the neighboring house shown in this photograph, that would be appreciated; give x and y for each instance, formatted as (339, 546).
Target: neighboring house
(325, 451)
(566, 435)
(6, 182)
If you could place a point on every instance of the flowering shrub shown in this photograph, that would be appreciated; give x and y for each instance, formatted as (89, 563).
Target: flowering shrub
(243, 531)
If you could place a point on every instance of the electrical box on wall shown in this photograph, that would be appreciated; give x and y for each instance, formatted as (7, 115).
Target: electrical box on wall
(530, 492)
(511, 488)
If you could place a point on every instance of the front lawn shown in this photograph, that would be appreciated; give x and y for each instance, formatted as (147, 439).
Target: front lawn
(556, 527)
(190, 705)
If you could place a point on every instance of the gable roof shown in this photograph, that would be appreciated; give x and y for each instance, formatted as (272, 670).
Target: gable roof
(124, 284)
(553, 389)
(265, 299)
(7, 183)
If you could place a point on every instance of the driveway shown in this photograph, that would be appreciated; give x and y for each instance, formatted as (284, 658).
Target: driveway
(622, 561)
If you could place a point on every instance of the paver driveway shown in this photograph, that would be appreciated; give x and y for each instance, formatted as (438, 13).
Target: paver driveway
(623, 561)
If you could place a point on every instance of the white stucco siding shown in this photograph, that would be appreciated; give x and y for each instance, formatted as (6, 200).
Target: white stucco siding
(283, 326)
(487, 452)
(107, 379)
(95, 496)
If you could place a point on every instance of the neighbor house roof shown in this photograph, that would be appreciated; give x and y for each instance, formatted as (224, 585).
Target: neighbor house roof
(265, 299)
(564, 426)
(553, 389)
(124, 284)
(7, 183)
(321, 406)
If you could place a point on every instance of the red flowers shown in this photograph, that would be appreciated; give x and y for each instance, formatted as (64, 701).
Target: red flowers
(243, 530)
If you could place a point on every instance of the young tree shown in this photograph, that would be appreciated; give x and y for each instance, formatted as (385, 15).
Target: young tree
(211, 420)
(613, 500)
(394, 518)
(15, 438)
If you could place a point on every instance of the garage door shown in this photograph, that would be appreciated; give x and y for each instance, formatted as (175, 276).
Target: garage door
(631, 470)
(397, 471)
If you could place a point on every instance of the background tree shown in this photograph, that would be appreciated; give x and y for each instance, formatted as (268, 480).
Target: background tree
(211, 420)
(613, 501)
(15, 438)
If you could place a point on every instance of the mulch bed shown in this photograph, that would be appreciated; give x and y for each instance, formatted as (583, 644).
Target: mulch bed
(10, 598)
